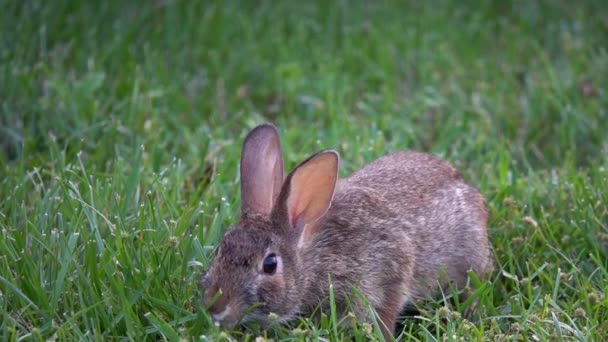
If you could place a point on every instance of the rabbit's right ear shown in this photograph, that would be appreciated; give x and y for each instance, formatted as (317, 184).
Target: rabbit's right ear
(261, 170)
(307, 194)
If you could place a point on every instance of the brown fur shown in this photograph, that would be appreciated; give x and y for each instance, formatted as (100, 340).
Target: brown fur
(390, 230)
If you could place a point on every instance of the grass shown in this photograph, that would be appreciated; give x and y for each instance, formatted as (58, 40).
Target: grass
(121, 125)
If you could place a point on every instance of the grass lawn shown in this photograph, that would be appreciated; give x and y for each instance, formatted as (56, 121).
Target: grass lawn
(121, 124)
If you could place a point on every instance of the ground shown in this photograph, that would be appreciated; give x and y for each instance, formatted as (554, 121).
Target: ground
(120, 133)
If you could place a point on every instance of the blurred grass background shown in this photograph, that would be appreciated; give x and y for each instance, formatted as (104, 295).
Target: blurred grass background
(121, 125)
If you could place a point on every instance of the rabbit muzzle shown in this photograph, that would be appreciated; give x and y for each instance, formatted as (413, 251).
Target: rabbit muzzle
(227, 318)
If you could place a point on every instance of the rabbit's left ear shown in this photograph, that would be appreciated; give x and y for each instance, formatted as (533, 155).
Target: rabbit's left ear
(308, 192)
(261, 170)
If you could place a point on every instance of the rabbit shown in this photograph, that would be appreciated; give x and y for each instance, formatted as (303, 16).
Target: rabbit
(391, 230)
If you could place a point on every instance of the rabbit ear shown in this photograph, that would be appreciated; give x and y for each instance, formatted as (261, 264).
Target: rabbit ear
(308, 192)
(261, 170)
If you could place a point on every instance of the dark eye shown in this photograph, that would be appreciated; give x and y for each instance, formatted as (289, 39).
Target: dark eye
(270, 264)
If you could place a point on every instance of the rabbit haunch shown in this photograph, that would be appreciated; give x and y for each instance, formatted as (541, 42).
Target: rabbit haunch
(391, 230)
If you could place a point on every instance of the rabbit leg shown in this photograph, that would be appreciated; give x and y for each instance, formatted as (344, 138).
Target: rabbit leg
(471, 309)
(388, 314)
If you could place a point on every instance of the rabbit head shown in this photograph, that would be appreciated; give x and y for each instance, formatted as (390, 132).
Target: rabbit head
(256, 271)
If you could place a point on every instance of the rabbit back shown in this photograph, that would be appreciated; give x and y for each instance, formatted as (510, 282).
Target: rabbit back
(396, 224)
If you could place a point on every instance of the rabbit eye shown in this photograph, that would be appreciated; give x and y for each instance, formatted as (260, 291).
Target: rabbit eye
(270, 264)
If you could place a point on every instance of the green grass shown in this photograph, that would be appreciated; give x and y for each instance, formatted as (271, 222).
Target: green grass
(121, 125)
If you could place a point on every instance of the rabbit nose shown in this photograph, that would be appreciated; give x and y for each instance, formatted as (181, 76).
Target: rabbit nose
(215, 299)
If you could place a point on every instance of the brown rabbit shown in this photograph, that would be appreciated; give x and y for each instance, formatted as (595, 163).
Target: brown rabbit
(389, 230)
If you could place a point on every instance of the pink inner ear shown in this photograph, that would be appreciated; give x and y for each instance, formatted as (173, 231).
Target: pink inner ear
(311, 189)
